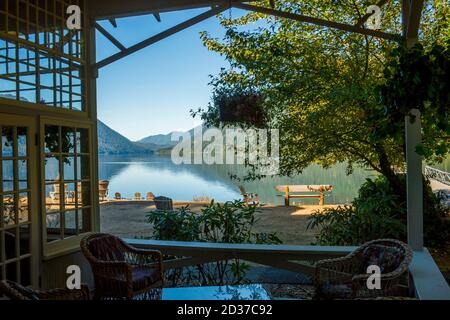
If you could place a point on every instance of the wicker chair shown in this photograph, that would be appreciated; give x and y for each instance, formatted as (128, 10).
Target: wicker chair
(346, 277)
(122, 271)
(15, 291)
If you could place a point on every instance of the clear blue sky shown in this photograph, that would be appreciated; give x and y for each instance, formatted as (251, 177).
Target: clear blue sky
(152, 91)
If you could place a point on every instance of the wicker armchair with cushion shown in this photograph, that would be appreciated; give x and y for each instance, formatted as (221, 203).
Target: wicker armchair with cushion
(122, 271)
(15, 291)
(346, 277)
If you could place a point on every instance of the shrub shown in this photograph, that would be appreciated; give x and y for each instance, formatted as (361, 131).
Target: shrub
(377, 213)
(180, 225)
(231, 222)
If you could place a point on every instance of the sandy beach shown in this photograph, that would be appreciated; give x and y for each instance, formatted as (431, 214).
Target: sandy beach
(128, 219)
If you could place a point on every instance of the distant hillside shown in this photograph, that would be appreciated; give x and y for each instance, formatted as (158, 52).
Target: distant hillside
(112, 142)
(162, 140)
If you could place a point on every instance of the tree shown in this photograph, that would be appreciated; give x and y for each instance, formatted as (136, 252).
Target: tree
(322, 87)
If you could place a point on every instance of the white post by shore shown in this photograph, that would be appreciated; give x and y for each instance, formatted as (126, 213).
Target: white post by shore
(414, 184)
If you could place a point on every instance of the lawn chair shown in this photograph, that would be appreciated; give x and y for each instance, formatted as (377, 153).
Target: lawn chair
(76, 196)
(137, 196)
(103, 190)
(56, 193)
(249, 198)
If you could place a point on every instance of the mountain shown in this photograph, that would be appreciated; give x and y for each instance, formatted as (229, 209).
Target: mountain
(112, 142)
(163, 140)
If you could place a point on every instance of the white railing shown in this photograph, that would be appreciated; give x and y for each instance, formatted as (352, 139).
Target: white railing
(438, 175)
(285, 257)
(429, 283)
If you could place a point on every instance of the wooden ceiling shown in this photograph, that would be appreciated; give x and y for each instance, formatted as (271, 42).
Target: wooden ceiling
(110, 9)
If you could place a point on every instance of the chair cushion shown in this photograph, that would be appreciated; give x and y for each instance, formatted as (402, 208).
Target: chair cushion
(335, 291)
(144, 277)
(387, 258)
(116, 284)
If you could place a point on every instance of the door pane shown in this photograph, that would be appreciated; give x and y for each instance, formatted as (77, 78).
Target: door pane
(22, 169)
(8, 175)
(69, 168)
(9, 210)
(68, 182)
(11, 271)
(15, 203)
(25, 275)
(22, 141)
(52, 139)
(11, 244)
(23, 207)
(68, 140)
(52, 169)
(53, 222)
(82, 140)
(7, 141)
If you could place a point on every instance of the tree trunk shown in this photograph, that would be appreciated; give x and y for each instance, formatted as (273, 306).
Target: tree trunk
(391, 176)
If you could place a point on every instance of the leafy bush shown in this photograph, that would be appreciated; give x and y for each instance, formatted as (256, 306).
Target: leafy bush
(231, 222)
(179, 225)
(418, 77)
(377, 213)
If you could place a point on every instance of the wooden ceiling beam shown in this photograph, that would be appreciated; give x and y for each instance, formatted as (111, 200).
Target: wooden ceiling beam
(157, 17)
(162, 35)
(113, 22)
(317, 21)
(108, 9)
(110, 37)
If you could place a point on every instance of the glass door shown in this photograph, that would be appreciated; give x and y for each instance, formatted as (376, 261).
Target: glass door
(18, 196)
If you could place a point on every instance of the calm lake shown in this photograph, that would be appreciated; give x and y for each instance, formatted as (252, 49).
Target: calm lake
(150, 173)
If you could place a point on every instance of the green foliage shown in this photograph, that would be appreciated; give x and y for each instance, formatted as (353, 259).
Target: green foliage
(377, 213)
(179, 225)
(231, 222)
(347, 226)
(239, 105)
(416, 77)
(318, 84)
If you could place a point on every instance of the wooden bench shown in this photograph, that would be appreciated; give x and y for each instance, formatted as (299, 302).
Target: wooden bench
(318, 190)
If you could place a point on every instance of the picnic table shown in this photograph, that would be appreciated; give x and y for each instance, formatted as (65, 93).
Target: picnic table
(298, 191)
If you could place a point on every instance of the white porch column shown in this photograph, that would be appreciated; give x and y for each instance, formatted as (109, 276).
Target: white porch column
(414, 185)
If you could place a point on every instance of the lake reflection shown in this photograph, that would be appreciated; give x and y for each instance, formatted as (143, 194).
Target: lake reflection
(149, 173)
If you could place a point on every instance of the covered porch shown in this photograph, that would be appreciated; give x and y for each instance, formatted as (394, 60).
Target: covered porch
(53, 252)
